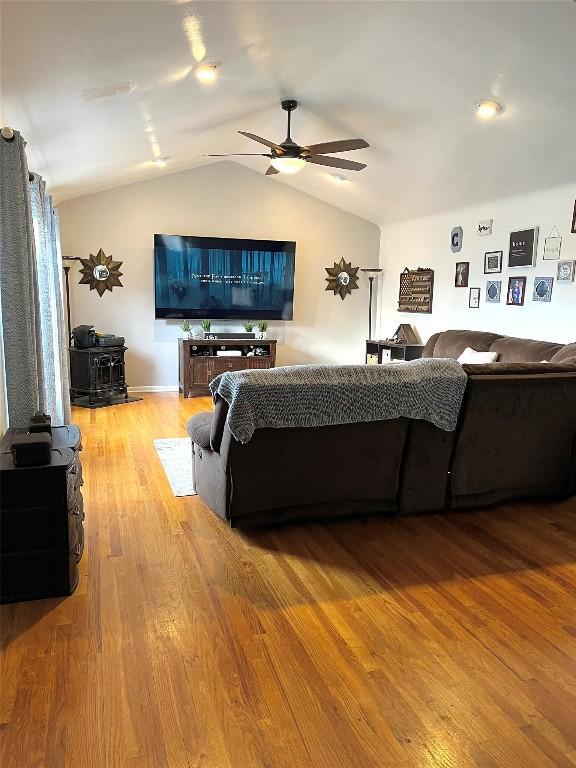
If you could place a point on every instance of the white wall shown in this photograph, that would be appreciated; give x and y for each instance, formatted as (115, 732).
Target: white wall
(425, 242)
(224, 200)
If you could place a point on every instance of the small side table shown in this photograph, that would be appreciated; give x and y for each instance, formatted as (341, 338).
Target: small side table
(97, 375)
(378, 352)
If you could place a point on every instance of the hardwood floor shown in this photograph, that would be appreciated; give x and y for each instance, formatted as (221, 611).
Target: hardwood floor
(438, 641)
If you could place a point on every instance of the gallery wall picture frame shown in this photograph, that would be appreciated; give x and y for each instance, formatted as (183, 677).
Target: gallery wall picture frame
(523, 247)
(565, 271)
(516, 291)
(484, 227)
(493, 262)
(462, 274)
(573, 228)
(543, 289)
(552, 245)
(456, 239)
(474, 298)
(416, 290)
(493, 291)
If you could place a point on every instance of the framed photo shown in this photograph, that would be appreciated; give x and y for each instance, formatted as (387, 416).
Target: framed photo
(456, 239)
(552, 245)
(484, 227)
(492, 262)
(516, 291)
(565, 271)
(543, 289)
(474, 298)
(573, 230)
(493, 291)
(523, 247)
(462, 274)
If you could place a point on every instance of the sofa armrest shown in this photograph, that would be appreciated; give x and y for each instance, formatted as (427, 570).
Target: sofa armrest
(199, 427)
(218, 422)
(428, 350)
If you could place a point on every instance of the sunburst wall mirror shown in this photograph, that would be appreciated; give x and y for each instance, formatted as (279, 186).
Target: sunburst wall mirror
(343, 278)
(101, 272)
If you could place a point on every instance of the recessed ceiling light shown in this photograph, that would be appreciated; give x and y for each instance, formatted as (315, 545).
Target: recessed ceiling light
(487, 109)
(288, 164)
(161, 162)
(206, 73)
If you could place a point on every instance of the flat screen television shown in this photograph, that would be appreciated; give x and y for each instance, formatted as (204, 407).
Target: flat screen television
(219, 278)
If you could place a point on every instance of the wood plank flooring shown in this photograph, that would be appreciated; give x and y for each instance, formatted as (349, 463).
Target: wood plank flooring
(430, 642)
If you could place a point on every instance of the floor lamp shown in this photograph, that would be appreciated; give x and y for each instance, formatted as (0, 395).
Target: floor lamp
(66, 275)
(372, 272)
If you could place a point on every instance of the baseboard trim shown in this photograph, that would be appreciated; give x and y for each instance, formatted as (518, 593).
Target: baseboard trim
(170, 388)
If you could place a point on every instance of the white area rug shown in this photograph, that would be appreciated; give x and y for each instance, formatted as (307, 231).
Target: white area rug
(175, 453)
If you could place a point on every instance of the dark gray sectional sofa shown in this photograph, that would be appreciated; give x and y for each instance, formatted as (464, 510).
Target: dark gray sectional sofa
(516, 438)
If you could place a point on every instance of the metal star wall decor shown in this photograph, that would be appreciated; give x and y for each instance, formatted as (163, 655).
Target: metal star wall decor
(343, 278)
(100, 272)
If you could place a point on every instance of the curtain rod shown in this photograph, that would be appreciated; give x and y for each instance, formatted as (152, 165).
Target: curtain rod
(8, 135)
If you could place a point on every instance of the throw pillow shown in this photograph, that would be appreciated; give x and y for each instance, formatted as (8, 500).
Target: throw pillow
(472, 356)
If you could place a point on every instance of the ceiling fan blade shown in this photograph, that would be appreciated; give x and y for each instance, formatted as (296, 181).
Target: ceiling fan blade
(240, 154)
(271, 171)
(336, 162)
(346, 145)
(260, 140)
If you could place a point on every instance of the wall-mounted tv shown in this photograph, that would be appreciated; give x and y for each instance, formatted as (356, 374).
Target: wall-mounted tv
(220, 278)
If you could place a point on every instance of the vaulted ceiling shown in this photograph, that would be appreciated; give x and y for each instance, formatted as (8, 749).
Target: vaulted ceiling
(405, 76)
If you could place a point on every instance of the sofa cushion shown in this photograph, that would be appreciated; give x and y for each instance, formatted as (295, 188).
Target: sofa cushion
(472, 356)
(567, 351)
(453, 343)
(513, 350)
(198, 427)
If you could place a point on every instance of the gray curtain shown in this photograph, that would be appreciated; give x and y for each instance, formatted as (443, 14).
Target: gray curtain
(31, 314)
(49, 286)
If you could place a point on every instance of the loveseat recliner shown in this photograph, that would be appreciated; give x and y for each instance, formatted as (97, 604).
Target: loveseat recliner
(516, 435)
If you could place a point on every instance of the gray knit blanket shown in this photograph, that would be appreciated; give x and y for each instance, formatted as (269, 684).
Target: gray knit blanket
(321, 395)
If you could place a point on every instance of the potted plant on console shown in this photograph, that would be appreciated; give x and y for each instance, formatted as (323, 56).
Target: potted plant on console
(262, 328)
(186, 329)
(248, 326)
(205, 325)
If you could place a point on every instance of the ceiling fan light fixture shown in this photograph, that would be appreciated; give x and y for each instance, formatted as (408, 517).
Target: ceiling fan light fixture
(487, 109)
(288, 164)
(206, 73)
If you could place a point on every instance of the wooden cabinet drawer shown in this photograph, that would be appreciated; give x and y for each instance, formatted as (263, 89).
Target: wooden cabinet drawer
(221, 365)
(260, 362)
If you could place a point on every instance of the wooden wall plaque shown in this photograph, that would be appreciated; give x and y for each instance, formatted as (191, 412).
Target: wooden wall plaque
(416, 290)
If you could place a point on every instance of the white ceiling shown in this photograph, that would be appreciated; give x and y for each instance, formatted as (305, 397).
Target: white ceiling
(405, 76)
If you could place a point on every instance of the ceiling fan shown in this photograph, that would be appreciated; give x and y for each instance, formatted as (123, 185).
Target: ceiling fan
(289, 157)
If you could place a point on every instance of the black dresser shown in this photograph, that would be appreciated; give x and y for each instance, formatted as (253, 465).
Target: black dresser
(41, 520)
(97, 375)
